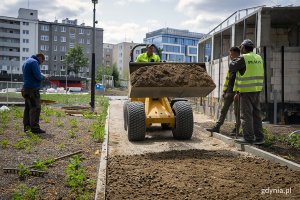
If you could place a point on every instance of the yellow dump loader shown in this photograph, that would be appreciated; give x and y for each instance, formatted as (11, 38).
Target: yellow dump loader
(160, 105)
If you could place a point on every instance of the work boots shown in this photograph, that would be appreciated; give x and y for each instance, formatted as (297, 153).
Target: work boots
(216, 128)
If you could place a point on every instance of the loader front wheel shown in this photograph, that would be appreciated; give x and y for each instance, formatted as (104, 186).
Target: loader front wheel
(125, 114)
(184, 121)
(136, 121)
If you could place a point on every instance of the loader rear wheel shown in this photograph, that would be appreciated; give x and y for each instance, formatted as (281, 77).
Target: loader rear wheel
(184, 121)
(125, 114)
(136, 121)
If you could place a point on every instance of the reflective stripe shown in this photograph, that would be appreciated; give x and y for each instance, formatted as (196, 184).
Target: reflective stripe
(249, 85)
(250, 78)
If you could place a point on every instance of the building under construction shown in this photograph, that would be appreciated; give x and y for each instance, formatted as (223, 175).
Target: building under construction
(275, 32)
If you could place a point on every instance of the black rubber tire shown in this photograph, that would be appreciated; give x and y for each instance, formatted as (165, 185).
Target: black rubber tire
(125, 114)
(136, 128)
(184, 120)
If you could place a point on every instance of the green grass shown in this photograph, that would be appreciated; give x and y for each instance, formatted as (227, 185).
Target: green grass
(4, 143)
(25, 193)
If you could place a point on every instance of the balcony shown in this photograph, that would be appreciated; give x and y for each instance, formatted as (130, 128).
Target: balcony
(9, 35)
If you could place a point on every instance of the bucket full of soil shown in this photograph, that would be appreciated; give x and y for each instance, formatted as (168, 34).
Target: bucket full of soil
(169, 80)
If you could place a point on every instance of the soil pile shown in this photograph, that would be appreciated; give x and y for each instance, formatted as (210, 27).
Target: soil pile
(198, 174)
(171, 75)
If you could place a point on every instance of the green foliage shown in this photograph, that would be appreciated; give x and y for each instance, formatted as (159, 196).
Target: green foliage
(43, 165)
(88, 115)
(23, 171)
(76, 175)
(48, 111)
(59, 124)
(115, 73)
(75, 59)
(27, 141)
(294, 140)
(269, 137)
(17, 112)
(25, 193)
(73, 123)
(103, 70)
(4, 117)
(98, 127)
(4, 143)
(72, 133)
(23, 143)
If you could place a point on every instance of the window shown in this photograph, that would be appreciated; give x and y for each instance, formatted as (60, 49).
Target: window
(25, 40)
(44, 47)
(72, 35)
(88, 41)
(88, 32)
(44, 27)
(26, 23)
(63, 48)
(26, 32)
(25, 49)
(55, 38)
(24, 58)
(81, 31)
(63, 29)
(55, 48)
(62, 58)
(63, 39)
(55, 28)
(55, 58)
(46, 57)
(44, 37)
(81, 41)
(71, 45)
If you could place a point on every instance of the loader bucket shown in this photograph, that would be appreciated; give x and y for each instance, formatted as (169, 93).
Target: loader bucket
(156, 92)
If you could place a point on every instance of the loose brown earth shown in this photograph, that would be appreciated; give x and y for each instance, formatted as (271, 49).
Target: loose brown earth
(161, 167)
(197, 174)
(171, 75)
(278, 148)
(56, 142)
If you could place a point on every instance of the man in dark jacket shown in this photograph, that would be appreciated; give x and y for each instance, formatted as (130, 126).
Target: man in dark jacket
(32, 78)
(228, 94)
(248, 84)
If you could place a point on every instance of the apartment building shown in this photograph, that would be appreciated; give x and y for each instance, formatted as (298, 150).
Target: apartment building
(121, 56)
(107, 54)
(177, 45)
(25, 35)
(18, 41)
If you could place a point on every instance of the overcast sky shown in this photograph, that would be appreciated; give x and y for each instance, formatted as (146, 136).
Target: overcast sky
(130, 20)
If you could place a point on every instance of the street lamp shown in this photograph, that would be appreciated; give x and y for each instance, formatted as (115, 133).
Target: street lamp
(93, 83)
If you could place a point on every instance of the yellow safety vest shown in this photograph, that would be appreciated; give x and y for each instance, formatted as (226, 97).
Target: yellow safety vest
(145, 58)
(225, 86)
(253, 78)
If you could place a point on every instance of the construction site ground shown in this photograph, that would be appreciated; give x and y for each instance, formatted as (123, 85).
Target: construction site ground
(161, 167)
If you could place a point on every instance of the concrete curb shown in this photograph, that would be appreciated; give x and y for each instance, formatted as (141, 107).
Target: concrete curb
(101, 179)
(253, 150)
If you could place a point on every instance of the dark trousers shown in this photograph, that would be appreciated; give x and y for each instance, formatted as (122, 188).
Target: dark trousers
(31, 117)
(250, 116)
(228, 99)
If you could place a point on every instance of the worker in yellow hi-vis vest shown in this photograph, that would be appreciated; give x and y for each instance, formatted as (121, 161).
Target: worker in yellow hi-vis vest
(149, 55)
(248, 85)
(228, 94)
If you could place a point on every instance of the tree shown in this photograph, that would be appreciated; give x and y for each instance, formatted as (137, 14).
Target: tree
(115, 73)
(75, 59)
(103, 70)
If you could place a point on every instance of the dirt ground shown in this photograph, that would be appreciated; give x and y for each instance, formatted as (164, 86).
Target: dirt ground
(279, 148)
(201, 168)
(169, 75)
(54, 143)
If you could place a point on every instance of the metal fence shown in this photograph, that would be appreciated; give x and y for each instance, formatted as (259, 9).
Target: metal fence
(10, 93)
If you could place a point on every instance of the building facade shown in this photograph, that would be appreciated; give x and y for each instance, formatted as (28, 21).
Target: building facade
(121, 56)
(275, 32)
(25, 35)
(18, 41)
(107, 54)
(177, 45)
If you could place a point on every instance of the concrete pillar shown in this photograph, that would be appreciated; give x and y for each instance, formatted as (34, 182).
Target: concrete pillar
(233, 35)
(263, 29)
